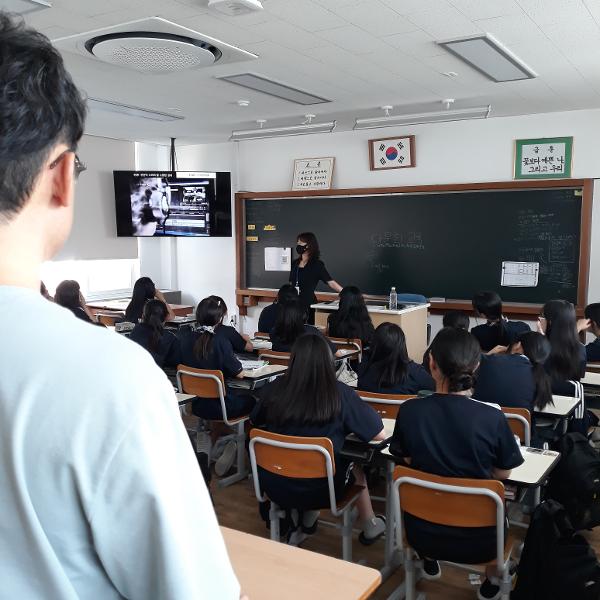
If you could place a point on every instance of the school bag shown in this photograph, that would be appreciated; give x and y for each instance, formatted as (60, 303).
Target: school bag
(556, 563)
(575, 482)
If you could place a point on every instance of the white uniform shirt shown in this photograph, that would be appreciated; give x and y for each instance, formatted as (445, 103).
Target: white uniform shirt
(101, 496)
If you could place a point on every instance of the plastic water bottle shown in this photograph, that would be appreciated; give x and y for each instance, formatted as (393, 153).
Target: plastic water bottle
(393, 299)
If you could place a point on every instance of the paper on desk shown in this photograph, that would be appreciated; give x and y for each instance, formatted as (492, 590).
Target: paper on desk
(519, 274)
(278, 259)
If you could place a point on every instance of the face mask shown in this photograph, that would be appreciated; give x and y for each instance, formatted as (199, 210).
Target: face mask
(300, 249)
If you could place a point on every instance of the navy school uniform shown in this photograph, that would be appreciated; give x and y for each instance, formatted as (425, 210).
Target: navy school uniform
(168, 352)
(487, 334)
(278, 345)
(415, 380)
(268, 317)
(355, 416)
(592, 351)
(453, 436)
(238, 343)
(220, 358)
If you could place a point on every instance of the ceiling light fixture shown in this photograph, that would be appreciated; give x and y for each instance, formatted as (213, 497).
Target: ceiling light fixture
(488, 56)
(273, 88)
(269, 132)
(438, 116)
(131, 111)
(25, 6)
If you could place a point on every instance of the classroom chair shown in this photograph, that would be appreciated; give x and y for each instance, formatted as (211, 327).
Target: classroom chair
(387, 405)
(348, 344)
(275, 358)
(207, 384)
(260, 335)
(453, 502)
(301, 458)
(519, 420)
(109, 319)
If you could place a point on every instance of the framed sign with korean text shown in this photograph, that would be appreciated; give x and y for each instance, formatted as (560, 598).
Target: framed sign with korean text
(392, 153)
(313, 173)
(544, 158)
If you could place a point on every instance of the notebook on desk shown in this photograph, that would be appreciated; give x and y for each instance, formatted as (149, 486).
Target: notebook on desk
(251, 365)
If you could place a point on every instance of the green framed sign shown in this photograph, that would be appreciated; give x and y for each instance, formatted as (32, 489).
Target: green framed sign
(544, 158)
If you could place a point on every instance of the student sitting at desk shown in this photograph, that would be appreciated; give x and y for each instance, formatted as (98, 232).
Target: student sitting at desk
(290, 325)
(269, 314)
(150, 333)
(388, 370)
(592, 323)
(144, 290)
(239, 342)
(452, 435)
(351, 320)
(68, 295)
(498, 331)
(457, 319)
(308, 401)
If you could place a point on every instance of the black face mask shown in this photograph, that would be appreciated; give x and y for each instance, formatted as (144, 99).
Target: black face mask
(300, 249)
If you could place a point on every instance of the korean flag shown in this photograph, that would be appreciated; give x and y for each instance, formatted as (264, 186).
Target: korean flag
(391, 154)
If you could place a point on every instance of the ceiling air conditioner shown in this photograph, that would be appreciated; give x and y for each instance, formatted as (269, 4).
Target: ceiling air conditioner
(235, 7)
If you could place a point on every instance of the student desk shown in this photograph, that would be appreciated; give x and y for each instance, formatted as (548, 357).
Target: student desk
(591, 379)
(536, 468)
(412, 319)
(564, 407)
(253, 378)
(593, 367)
(120, 306)
(184, 398)
(269, 570)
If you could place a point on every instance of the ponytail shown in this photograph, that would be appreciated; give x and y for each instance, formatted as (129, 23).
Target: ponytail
(209, 314)
(154, 315)
(537, 349)
(204, 342)
(543, 386)
(461, 381)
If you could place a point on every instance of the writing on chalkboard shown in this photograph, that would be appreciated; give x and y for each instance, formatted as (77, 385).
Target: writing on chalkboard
(394, 239)
(562, 248)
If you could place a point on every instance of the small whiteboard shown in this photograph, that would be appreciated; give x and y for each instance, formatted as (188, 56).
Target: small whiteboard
(520, 274)
(278, 259)
(313, 173)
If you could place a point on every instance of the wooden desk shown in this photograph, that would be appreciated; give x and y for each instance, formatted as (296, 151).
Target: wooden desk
(180, 310)
(269, 570)
(412, 319)
(564, 407)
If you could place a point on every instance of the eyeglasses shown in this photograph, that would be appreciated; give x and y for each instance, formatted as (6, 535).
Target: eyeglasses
(78, 166)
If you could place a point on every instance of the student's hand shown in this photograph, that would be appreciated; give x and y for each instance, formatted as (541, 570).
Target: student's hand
(583, 325)
(498, 350)
(159, 295)
(540, 328)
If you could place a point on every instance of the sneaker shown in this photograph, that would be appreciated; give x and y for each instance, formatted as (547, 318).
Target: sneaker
(488, 591)
(376, 529)
(431, 569)
(226, 459)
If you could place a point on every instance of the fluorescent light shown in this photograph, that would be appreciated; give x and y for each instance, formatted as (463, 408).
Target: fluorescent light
(270, 132)
(273, 88)
(25, 6)
(131, 111)
(439, 116)
(489, 57)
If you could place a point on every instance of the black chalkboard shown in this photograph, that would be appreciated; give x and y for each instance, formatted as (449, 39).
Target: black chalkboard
(447, 245)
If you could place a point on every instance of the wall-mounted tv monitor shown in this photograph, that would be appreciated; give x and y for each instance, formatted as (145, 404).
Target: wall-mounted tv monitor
(173, 203)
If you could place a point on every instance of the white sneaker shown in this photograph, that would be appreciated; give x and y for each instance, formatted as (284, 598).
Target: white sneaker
(226, 460)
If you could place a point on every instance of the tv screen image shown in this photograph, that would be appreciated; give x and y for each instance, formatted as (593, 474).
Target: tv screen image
(173, 203)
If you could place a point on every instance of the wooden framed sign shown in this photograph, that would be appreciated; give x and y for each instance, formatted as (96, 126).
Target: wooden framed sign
(544, 158)
(313, 173)
(392, 153)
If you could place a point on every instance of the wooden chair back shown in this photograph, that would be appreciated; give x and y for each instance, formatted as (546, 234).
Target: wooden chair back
(347, 344)
(200, 382)
(276, 453)
(387, 405)
(108, 319)
(454, 508)
(519, 421)
(259, 335)
(275, 358)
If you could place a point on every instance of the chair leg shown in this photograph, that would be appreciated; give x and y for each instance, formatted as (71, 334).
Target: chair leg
(241, 471)
(410, 575)
(347, 534)
(505, 583)
(274, 514)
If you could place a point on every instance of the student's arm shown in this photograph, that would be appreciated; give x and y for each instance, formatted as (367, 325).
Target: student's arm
(90, 315)
(501, 474)
(497, 350)
(380, 436)
(143, 486)
(160, 296)
(334, 285)
(583, 325)
(508, 452)
(360, 418)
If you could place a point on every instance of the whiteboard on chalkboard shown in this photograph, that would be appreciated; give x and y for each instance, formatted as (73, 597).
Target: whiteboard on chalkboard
(520, 274)
(313, 173)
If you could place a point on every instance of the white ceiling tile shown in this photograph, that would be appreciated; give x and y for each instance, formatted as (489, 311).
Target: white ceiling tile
(555, 11)
(286, 34)
(409, 7)
(444, 24)
(354, 40)
(376, 18)
(308, 15)
(224, 30)
(485, 9)
(332, 4)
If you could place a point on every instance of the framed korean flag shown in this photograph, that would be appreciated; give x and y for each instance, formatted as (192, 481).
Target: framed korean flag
(392, 153)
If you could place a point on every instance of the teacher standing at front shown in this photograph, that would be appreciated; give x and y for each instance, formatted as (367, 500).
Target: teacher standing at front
(308, 270)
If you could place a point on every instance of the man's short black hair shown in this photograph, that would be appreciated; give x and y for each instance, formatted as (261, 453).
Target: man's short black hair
(592, 312)
(40, 107)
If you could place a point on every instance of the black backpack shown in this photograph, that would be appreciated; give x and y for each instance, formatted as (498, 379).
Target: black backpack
(557, 563)
(575, 482)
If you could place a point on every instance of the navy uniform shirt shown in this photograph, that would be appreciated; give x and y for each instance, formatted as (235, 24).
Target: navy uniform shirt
(220, 357)
(307, 278)
(416, 379)
(268, 317)
(168, 352)
(238, 343)
(507, 380)
(278, 345)
(593, 351)
(488, 338)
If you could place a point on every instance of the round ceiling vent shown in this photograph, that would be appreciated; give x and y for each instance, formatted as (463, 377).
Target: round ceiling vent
(153, 52)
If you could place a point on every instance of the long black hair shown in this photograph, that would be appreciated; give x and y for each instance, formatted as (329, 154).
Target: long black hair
(143, 290)
(561, 331)
(537, 348)
(209, 314)
(154, 316)
(68, 294)
(312, 244)
(222, 307)
(458, 319)
(307, 394)
(352, 319)
(489, 304)
(456, 353)
(286, 292)
(389, 356)
(289, 325)
(592, 312)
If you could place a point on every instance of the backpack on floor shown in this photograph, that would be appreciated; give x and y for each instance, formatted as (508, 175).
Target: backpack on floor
(556, 563)
(575, 482)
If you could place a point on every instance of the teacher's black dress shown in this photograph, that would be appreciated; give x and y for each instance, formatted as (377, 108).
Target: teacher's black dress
(306, 279)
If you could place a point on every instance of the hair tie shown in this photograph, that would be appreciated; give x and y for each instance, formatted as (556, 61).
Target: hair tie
(207, 329)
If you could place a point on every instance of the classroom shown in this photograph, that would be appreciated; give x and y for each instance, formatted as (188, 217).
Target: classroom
(304, 299)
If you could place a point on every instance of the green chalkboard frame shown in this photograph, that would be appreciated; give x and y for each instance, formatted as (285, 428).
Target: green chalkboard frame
(246, 298)
(519, 144)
